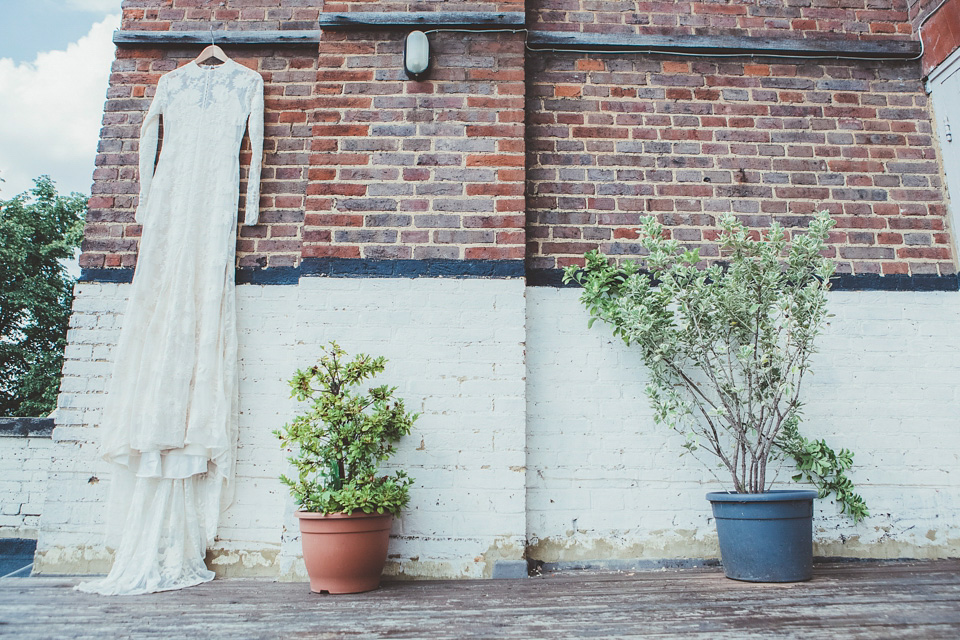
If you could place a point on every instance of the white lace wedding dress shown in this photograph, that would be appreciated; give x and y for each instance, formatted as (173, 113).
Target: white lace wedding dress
(170, 418)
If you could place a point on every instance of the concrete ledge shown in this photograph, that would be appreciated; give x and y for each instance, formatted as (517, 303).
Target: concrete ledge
(354, 20)
(310, 37)
(746, 45)
(407, 19)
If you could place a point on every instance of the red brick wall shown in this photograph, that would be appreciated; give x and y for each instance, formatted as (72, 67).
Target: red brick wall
(191, 15)
(404, 169)
(289, 73)
(859, 19)
(615, 138)
(918, 10)
(362, 163)
(381, 166)
(939, 27)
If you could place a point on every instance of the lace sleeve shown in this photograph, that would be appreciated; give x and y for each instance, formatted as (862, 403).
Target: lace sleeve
(255, 130)
(149, 139)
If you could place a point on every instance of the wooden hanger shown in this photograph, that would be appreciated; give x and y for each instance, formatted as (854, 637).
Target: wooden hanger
(212, 51)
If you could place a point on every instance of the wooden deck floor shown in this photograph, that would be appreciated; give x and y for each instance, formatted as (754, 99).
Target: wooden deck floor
(844, 600)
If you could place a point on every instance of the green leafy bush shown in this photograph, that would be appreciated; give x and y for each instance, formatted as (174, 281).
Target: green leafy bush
(341, 438)
(39, 231)
(727, 346)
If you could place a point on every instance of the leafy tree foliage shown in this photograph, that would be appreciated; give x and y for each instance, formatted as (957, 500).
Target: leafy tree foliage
(728, 346)
(38, 230)
(342, 436)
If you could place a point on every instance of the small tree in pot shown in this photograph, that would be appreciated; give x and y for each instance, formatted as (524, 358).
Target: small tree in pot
(338, 443)
(727, 347)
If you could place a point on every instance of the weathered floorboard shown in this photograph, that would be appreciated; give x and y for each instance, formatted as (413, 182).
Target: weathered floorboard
(862, 600)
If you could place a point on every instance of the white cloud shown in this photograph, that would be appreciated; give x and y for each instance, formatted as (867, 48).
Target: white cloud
(51, 109)
(98, 6)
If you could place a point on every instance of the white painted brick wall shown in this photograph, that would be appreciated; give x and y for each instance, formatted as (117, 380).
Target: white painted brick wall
(604, 482)
(71, 528)
(538, 432)
(456, 353)
(23, 477)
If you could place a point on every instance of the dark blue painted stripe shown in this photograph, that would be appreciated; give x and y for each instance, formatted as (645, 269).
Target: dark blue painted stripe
(840, 282)
(244, 275)
(897, 282)
(361, 268)
(270, 275)
(349, 268)
(106, 275)
(548, 278)
(26, 427)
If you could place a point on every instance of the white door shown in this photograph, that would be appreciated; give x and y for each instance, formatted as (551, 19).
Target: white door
(944, 87)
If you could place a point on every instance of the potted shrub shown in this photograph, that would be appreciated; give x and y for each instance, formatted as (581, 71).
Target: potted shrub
(727, 347)
(337, 443)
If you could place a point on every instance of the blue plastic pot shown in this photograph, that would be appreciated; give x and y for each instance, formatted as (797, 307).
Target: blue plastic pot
(765, 537)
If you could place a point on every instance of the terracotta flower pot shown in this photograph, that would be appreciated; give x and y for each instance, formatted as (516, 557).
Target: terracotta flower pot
(344, 553)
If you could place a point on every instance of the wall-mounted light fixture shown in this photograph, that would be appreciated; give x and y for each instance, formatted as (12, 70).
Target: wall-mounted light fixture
(416, 55)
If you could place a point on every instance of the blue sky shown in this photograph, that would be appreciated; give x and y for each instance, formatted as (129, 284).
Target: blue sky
(32, 26)
(55, 59)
